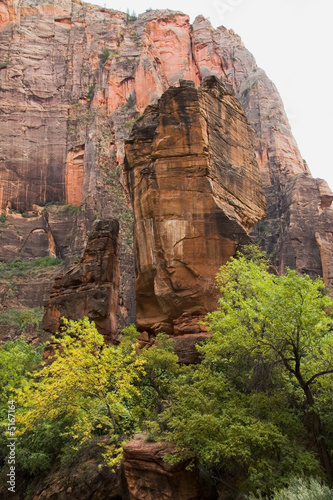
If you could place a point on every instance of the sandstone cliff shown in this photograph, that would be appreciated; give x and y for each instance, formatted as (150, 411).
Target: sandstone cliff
(196, 192)
(73, 78)
(90, 288)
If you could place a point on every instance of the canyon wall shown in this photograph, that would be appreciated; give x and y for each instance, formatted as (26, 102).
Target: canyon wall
(196, 191)
(74, 78)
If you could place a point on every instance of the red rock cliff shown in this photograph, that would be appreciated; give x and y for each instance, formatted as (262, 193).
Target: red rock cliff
(73, 77)
(90, 288)
(196, 192)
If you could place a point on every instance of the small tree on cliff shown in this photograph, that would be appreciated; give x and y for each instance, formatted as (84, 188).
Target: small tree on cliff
(281, 327)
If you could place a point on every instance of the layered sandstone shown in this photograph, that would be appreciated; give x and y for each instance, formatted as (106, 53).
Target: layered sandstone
(73, 77)
(90, 288)
(196, 191)
(308, 210)
(149, 477)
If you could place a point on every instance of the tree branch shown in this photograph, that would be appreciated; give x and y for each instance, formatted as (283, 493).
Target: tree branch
(319, 374)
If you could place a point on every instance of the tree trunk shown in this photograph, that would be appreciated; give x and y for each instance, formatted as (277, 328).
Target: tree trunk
(317, 432)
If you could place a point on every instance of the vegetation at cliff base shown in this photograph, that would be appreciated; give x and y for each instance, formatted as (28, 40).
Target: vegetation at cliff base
(258, 406)
(255, 414)
(22, 319)
(299, 488)
(19, 267)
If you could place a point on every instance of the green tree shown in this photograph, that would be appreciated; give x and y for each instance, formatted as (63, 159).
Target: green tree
(156, 382)
(17, 359)
(234, 435)
(283, 323)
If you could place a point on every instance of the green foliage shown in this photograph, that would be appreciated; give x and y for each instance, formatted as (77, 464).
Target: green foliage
(244, 411)
(91, 92)
(126, 224)
(235, 434)
(161, 371)
(130, 102)
(89, 386)
(105, 55)
(3, 218)
(129, 124)
(300, 488)
(29, 215)
(49, 204)
(73, 209)
(279, 327)
(243, 414)
(18, 267)
(17, 359)
(130, 17)
(22, 319)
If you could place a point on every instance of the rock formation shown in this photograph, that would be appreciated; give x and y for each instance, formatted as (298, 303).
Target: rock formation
(196, 192)
(307, 210)
(90, 288)
(73, 77)
(82, 479)
(149, 477)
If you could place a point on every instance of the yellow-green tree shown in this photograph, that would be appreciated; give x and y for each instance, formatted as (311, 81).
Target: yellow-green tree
(88, 387)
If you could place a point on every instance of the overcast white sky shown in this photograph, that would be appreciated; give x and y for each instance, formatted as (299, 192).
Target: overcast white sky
(292, 40)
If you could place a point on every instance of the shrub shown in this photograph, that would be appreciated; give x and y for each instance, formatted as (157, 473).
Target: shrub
(28, 215)
(300, 488)
(105, 56)
(91, 92)
(22, 319)
(18, 267)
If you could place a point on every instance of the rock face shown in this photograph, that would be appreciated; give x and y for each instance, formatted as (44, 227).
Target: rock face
(73, 77)
(196, 192)
(150, 478)
(308, 245)
(90, 288)
(82, 479)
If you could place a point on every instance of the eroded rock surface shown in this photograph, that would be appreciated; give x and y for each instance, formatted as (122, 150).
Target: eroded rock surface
(307, 228)
(73, 77)
(149, 477)
(196, 192)
(91, 287)
(86, 477)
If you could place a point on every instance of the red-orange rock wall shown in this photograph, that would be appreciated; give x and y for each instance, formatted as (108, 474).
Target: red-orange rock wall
(75, 75)
(90, 288)
(74, 175)
(196, 191)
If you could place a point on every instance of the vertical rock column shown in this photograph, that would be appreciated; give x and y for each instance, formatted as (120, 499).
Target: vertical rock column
(196, 191)
(90, 288)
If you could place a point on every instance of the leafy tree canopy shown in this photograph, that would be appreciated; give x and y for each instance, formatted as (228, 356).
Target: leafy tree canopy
(89, 387)
(251, 410)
